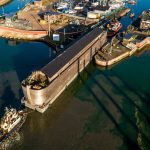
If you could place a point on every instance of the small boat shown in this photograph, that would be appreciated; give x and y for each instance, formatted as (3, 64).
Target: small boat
(94, 4)
(113, 27)
(114, 6)
(132, 15)
(69, 11)
(72, 11)
(11, 122)
(62, 6)
(79, 7)
(131, 2)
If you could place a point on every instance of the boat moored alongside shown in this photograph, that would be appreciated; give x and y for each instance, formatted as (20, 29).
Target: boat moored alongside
(133, 2)
(113, 27)
(11, 122)
(132, 15)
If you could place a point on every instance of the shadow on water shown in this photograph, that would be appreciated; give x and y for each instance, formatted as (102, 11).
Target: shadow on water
(145, 99)
(12, 42)
(21, 59)
(117, 106)
(130, 143)
(31, 57)
(9, 99)
(126, 96)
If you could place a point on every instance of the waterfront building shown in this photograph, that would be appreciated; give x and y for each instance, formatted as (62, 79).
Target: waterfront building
(93, 15)
(13, 22)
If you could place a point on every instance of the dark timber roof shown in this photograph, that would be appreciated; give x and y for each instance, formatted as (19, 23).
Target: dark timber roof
(55, 65)
(101, 8)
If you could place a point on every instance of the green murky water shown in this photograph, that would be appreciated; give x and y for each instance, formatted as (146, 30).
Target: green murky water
(103, 109)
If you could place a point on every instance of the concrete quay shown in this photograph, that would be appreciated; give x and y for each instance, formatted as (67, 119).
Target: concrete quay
(104, 58)
(110, 55)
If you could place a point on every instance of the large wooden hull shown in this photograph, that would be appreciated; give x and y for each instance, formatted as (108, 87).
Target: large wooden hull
(77, 57)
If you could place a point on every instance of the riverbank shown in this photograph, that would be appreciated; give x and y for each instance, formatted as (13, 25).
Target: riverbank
(4, 2)
(110, 55)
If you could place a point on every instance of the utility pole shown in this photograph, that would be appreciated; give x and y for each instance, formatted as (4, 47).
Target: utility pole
(111, 47)
(3, 10)
(49, 28)
(64, 34)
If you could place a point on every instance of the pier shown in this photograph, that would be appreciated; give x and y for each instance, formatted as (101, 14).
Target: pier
(43, 87)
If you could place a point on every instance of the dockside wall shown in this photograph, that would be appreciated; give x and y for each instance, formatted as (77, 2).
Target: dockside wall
(14, 33)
